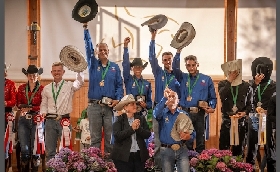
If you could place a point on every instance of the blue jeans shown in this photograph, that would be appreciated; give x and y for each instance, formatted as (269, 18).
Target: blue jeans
(26, 135)
(169, 156)
(98, 116)
(53, 131)
(157, 144)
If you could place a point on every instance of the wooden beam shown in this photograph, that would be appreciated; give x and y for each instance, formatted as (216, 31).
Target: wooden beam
(230, 29)
(33, 36)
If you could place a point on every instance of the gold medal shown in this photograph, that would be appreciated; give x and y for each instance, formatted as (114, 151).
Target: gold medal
(101, 83)
(259, 104)
(234, 109)
(189, 98)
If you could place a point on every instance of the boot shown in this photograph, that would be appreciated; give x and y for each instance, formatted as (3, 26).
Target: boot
(25, 166)
(35, 164)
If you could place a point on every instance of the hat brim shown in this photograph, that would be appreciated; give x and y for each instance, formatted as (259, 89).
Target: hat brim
(182, 124)
(87, 5)
(144, 65)
(185, 27)
(73, 58)
(121, 104)
(156, 22)
(232, 66)
(38, 71)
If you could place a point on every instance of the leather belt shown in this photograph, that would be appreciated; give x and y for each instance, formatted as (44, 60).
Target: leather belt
(94, 101)
(56, 116)
(191, 109)
(175, 146)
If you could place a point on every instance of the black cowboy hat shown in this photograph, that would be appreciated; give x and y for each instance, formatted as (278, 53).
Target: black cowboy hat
(262, 65)
(138, 62)
(156, 22)
(85, 10)
(32, 69)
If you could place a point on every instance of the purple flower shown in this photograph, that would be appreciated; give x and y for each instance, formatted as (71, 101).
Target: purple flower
(193, 162)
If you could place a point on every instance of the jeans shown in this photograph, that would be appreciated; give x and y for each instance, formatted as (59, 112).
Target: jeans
(169, 156)
(53, 131)
(224, 141)
(98, 116)
(199, 126)
(157, 144)
(26, 134)
(134, 163)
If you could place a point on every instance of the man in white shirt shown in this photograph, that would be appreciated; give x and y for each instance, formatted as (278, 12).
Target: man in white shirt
(56, 107)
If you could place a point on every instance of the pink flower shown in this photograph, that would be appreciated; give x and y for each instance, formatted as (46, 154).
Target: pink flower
(193, 161)
(204, 156)
(218, 155)
(221, 166)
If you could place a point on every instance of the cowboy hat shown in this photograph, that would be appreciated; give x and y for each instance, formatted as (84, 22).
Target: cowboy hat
(73, 58)
(156, 22)
(184, 36)
(31, 70)
(124, 101)
(182, 124)
(138, 62)
(85, 10)
(233, 66)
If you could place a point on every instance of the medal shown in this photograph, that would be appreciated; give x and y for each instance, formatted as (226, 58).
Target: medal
(259, 104)
(234, 109)
(101, 83)
(189, 98)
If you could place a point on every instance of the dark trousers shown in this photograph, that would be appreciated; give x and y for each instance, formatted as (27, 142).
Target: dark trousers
(253, 149)
(199, 126)
(224, 140)
(270, 146)
(134, 163)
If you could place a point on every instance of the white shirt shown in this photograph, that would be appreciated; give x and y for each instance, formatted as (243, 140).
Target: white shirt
(64, 99)
(84, 126)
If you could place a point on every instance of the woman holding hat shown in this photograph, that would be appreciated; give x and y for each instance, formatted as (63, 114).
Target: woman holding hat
(30, 122)
(9, 102)
(130, 131)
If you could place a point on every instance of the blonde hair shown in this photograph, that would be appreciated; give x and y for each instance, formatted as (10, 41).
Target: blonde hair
(57, 64)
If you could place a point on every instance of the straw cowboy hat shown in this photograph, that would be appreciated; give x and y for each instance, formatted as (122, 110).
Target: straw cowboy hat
(32, 69)
(233, 66)
(124, 101)
(182, 124)
(138, 62)
(73, 58)
(156, 22)
(184, 36)
(85, 10)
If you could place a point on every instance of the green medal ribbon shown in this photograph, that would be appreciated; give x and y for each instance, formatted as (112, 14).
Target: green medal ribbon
(104, 72)
(140, 90)
(55, 95)
(167, 83)
(234, 97)
(190, 88)
(261, 93)
(32, 95)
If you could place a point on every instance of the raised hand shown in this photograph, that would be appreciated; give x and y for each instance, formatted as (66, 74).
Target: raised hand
(126, 41)
(232, 75)
(259, 78)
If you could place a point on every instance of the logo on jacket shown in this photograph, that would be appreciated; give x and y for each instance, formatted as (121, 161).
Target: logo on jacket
(98, 68)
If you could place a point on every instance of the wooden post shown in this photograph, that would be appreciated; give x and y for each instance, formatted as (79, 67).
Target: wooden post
(33, 36)
(230, 29)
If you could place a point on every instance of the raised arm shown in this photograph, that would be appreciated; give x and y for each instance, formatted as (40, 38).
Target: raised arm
(89, 48)
(176, 67)
(125, 62)
(152, 55)
(78, 83)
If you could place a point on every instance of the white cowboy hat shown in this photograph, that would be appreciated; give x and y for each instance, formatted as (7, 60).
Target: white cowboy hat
(184, 36)
(233, 66)
(124, 101)
(73, 58)
(156, 22)
(182, 124)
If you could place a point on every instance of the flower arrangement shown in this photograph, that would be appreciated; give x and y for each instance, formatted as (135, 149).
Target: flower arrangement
(149, 164)
(214, 160)
(88, 160)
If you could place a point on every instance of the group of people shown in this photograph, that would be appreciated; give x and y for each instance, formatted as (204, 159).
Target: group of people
(45, 110)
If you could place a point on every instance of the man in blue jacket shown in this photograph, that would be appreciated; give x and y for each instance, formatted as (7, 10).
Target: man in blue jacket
(196, 88)
(105, 91)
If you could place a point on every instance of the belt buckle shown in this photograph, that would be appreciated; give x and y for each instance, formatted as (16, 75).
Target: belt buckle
(58, 117)
(193, 110)
(28, 116)
(175, 147)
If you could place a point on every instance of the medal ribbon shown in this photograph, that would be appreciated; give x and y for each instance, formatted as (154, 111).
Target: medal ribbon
(234, 97)
(32, 95)
(190, 88)
(104, 72)
(140, 90)
(261, 93)
(167, 83)
(55, 95)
